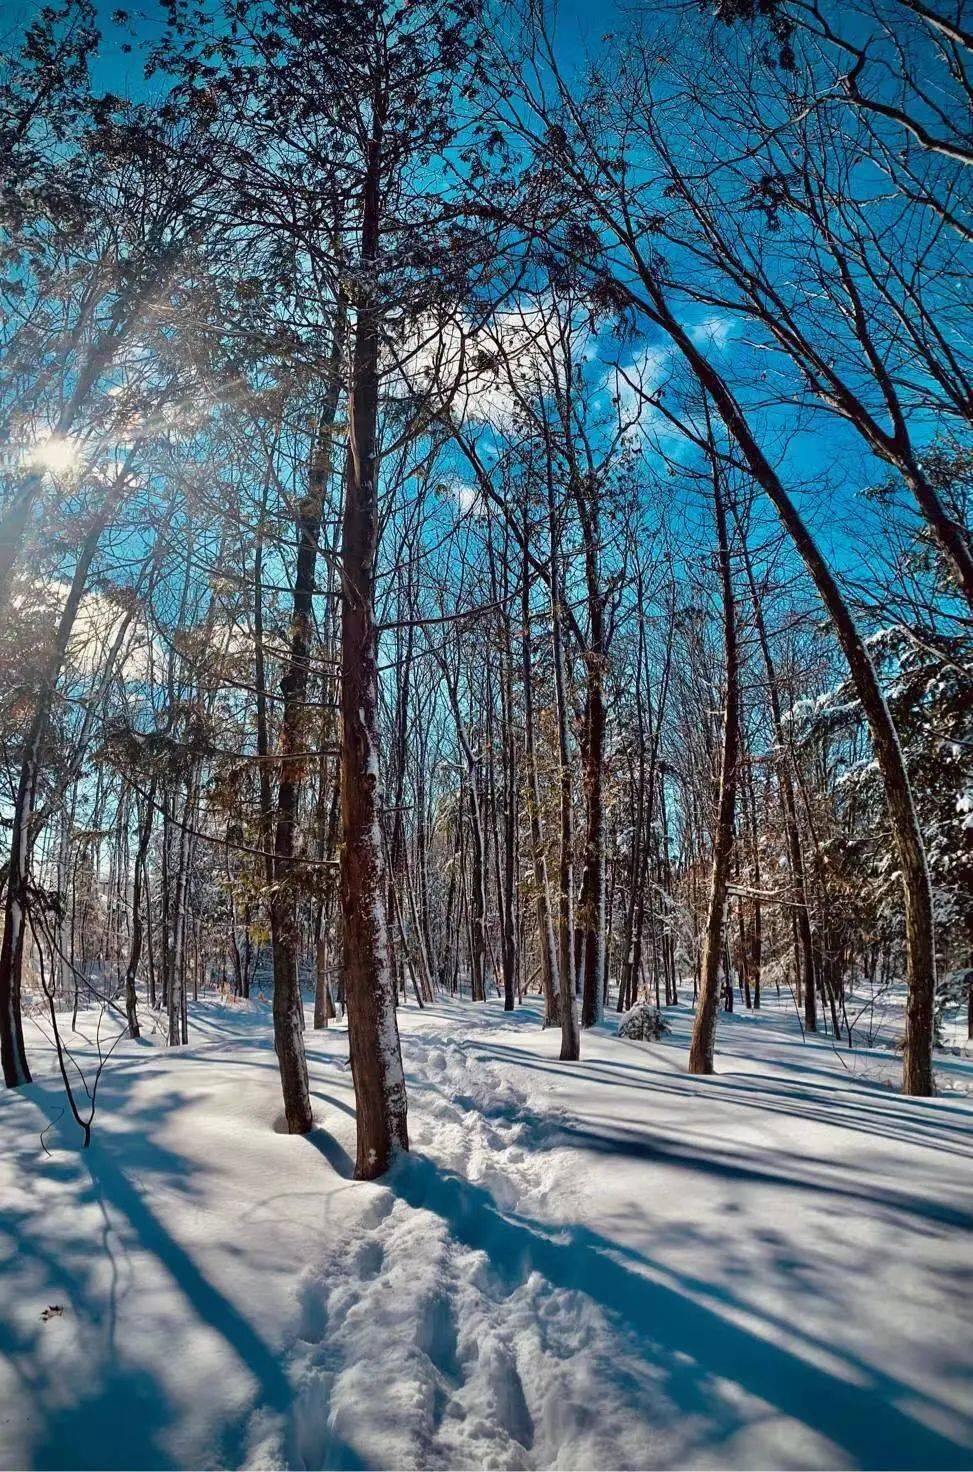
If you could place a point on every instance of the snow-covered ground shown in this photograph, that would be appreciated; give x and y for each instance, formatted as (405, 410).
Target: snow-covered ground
(604, 1265)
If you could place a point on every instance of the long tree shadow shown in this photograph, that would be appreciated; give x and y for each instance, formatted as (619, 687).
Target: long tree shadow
(899, 1121)
(858, 1412)
(765, 1168)
(114, 1187)
(122, 1422)
(119, 1412)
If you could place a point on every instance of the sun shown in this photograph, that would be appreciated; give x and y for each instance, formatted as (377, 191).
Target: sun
(59, 454)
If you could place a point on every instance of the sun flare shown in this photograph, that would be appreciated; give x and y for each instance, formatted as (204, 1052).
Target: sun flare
(59, 454)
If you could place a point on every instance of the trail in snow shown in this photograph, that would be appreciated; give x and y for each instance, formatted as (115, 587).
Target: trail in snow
(604, 1264)
(472, 1321)
(426, 1342)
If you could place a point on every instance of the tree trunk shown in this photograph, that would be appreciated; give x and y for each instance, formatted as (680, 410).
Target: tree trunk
(508, 888)
(177, 1000)
(12, 1049)
(477, 886)
(285, 938)
(704, 1028)
(545, 925)
(570, 1034)
(592, 897)
(135, 950)
(376, 1060)
(591, 907)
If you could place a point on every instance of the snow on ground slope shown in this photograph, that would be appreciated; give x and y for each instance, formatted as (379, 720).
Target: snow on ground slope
(606, 1264)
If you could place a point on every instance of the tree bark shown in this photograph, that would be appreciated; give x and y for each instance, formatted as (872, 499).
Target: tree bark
(703, 1042)
(570, 1034)
(376, 1060)
(591, 907)
(288, 1003)
(135, 950)
(545, 925)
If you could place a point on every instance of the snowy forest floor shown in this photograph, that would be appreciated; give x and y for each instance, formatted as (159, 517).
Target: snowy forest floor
(606, 1265)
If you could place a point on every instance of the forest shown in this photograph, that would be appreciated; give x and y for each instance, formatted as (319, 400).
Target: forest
(486, 734)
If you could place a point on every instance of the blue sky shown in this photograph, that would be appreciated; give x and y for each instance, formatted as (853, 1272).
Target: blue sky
(824, 456)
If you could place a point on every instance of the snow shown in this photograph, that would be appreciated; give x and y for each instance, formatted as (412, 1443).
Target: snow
(601, 1264)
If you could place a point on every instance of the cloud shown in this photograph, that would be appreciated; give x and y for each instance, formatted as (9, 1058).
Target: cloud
(97, 624)
(713, 331)
(484, 372)
(631, 387)
(467, 497)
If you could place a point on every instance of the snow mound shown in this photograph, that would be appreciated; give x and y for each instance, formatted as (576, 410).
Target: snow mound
(644, 1023)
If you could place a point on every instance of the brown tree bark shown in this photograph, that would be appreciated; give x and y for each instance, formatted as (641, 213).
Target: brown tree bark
(570, 1033)
(376, 1061)
(591, 900)
(545, 925)
(135, 949)
(703, 1042)
(288, 1005)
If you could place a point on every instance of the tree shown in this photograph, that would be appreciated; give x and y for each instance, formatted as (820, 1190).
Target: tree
(625, 268)
(704, 1028)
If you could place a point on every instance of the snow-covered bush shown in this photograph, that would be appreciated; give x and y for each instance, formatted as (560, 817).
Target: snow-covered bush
(644, 1022)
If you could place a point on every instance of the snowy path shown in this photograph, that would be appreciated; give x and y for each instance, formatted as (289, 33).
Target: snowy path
(444, 1304)
(599, 1265)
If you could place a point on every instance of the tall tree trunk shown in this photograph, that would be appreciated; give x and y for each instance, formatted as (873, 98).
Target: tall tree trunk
(284, 932)
(545, 924)
(509, 915)
(477, 885)
(260, 708)
(570, 1034)
(591, 906)
(757, 933)
(327, 827)
(178, 1022)
(135, 949)
(376, 1060)
(704, 1028)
